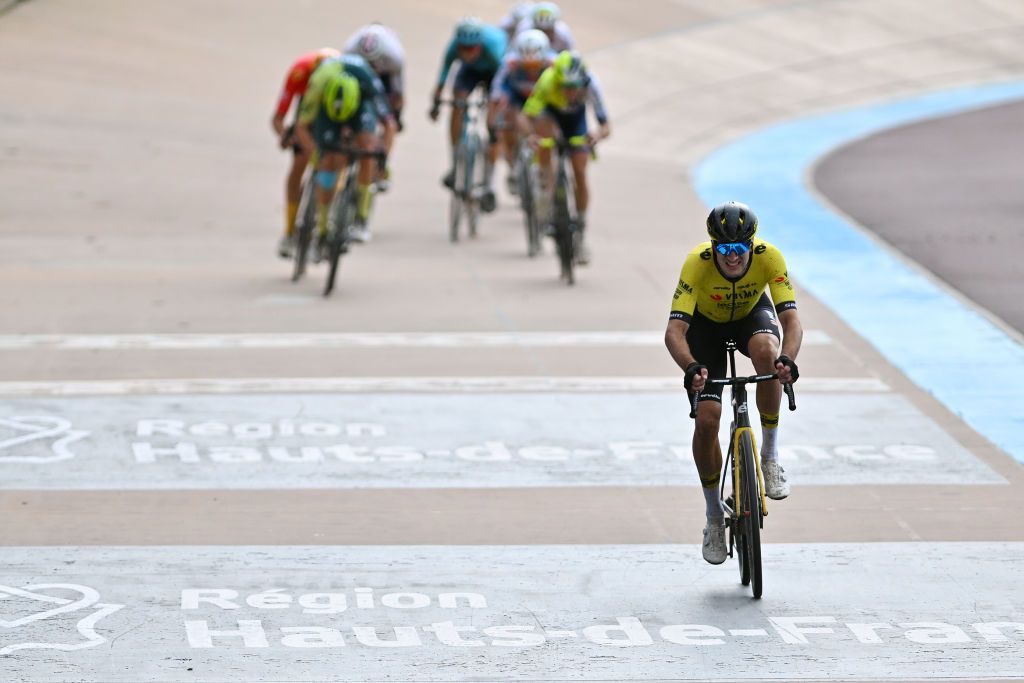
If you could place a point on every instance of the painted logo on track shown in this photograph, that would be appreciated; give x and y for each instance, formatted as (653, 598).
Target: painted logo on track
(51, 616)
(21, 437)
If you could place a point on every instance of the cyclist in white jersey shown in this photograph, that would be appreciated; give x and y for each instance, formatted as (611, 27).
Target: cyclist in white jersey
(547, 17)
(510, 22)
(381, 48)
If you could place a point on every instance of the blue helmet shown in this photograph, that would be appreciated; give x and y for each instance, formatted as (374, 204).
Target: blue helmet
(469, 32)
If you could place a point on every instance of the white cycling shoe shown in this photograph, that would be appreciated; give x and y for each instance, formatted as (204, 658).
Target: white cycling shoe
(713, 548)
(360, 233)
(286, 247)
(775, 485)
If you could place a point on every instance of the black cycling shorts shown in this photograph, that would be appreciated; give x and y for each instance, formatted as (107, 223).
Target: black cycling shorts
(707, 341)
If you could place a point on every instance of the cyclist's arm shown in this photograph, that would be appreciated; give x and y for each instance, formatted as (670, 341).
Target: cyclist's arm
(446, 67)
(675, 341)
(538, 99)
(792, 333)
(596, 97)
(284, 101)
(565, 35)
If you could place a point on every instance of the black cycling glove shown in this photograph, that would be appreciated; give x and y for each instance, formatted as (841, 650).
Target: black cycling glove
(692, 370)
(791, 364)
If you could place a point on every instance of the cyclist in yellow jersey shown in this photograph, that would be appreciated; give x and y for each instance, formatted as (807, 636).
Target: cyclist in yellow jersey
(721, 295)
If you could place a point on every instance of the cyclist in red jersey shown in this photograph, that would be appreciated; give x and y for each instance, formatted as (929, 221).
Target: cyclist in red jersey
(294, 87)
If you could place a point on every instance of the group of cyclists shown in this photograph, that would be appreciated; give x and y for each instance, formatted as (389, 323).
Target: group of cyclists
(537, 86)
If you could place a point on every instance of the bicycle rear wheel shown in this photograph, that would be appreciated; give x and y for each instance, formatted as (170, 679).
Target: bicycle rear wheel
(340, 219)
(751, 514)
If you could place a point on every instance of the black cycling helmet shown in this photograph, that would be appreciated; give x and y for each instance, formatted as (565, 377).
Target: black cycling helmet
(732, 222)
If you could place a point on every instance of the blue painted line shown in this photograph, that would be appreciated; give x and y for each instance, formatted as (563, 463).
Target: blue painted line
(940, 343)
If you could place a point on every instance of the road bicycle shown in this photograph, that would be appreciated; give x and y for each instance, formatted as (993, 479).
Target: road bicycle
(469, 188)
(564, 217)
(746, 507)
(341, 216)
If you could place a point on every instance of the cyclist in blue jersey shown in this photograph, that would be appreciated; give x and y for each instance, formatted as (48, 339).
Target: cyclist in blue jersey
(479, 49)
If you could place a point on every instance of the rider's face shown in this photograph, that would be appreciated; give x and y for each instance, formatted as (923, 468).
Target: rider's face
(732, 265)
(469, 53)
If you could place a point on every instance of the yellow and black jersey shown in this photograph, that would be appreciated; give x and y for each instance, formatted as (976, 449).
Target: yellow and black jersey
(703, 289)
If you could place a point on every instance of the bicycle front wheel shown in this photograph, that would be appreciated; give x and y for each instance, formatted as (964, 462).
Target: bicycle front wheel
(457, 202)
(750, 516)
(474, 165)
(340, 219)
(563, 230)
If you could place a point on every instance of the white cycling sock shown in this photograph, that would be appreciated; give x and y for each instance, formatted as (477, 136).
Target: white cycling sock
(712, 503)
(769, 449)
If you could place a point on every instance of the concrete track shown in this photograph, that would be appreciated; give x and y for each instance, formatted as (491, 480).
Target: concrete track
(139, 194)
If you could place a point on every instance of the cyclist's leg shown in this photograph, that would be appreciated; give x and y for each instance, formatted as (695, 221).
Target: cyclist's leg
(574, 127)
(760, 340)
(364, 126)
(706, 344)
(293, 184)
(707, 347)
(327, 136)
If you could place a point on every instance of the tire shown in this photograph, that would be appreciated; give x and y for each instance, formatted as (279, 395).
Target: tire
(751, 515)
(457, 203)
(307, 221)
(563, 230)
(526, 172)
(470, 186)
(339, 221)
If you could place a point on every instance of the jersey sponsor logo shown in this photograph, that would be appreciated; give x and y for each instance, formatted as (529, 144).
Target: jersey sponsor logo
(683, 287)
(706, 254)
(747, 292)
(780, 279)
(760, 249)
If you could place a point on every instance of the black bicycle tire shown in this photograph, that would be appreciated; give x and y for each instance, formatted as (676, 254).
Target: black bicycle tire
(739, 533)
(529, 211)
(456, 204)
(563, 231)
(306, 223)
(469, 188)
(752, 513)
(339, 233)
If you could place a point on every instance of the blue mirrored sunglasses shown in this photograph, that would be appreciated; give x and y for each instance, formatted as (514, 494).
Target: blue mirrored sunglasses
(738, 248)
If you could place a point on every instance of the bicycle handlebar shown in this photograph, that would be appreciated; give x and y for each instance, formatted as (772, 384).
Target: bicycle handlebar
(739, 381)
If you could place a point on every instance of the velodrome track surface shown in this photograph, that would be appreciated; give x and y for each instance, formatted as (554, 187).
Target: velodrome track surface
(953, 207)
(465, 468)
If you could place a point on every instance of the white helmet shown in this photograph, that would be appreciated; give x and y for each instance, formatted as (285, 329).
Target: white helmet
(521, 10)
(532, 45)
(545, 15)
(371, 43)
